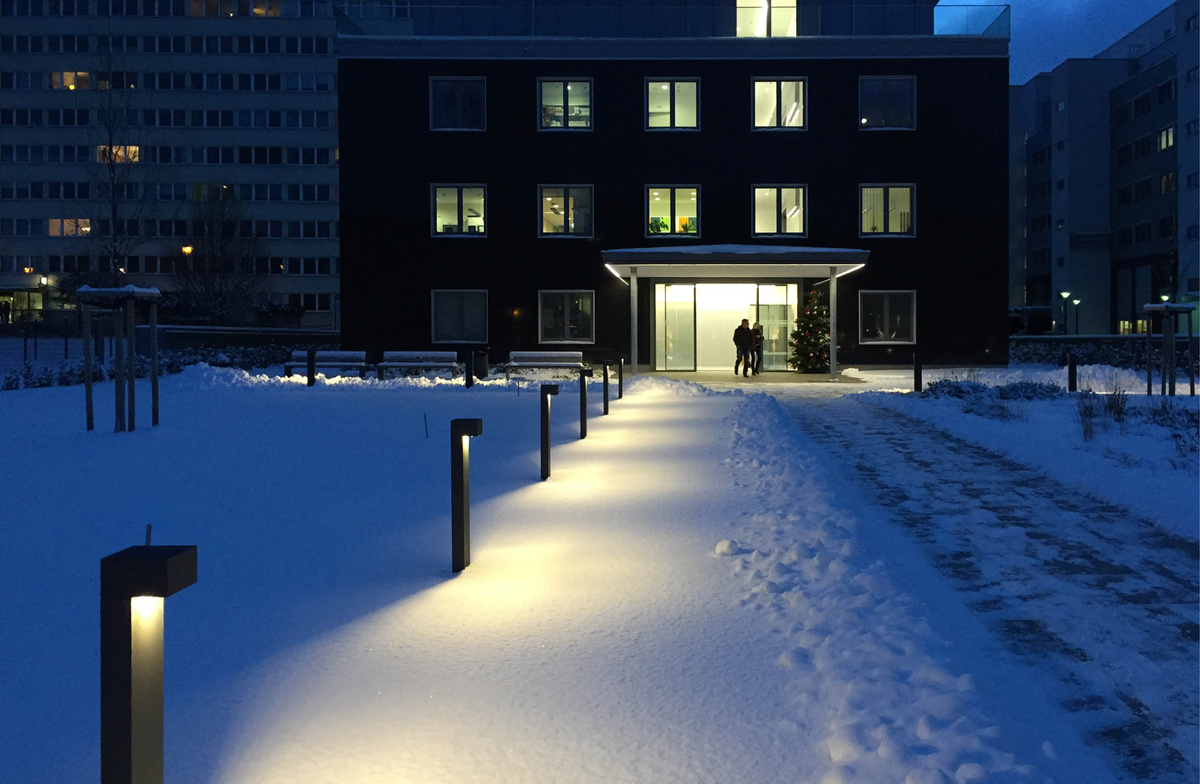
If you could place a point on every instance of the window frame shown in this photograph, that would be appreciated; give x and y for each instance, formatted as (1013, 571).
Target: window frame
(646, 211)
(564, 81)
(671, 81)
(887, 186)
(567, 340)
(912, 313)
(567, 188)
(433, 336)
(891, 77)
(778, 80)
(459, 186)
(754, 208)
(448, 78)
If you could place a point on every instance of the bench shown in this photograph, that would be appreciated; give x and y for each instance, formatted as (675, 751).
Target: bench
(553, 360)
(420, 360)
(336, 360)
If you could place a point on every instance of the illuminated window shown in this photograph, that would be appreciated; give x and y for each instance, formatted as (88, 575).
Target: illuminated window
(887, 209)
(457, 103)
(673, 104)
(459, 210)
(69, 80)
(887, 317)
(566, 317)
(1166, 137)
(565, 103)
(766, 18)
(459, 316)
(566, 211)
(69, 227)
(119, 154)
(779, 209)
(779, 103)
(671, 210)
(887, 103)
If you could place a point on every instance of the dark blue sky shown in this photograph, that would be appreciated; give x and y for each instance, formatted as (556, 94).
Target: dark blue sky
(1046, 32)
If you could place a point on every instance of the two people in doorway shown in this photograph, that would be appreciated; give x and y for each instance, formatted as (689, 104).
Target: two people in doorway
(749, 344)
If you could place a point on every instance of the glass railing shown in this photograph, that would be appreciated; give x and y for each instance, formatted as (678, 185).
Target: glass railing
(731, 19)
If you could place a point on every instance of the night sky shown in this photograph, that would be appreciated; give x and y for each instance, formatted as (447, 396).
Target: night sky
(1046, 32)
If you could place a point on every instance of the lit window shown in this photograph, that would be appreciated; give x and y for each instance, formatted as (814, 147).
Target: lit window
(672, 104)
(119, 154)
(457, 103)
(459, 316)
(887, 209)
(69, 80)
(766, 18)
(671, 210)
(887, 103)
(566, 211)
(565, 103)
(1166, 137)
(779, 103)
(779, 209)
(566, 317)
(887, 317)
(459, 210)
(69, 227)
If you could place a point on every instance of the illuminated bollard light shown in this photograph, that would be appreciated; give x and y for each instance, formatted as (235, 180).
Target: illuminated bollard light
(461, 431)
(547, 391)
(584, 375)
(133, 584)
(621, 377)
(607, 365)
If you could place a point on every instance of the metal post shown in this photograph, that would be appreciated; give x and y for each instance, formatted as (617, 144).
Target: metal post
(584, 375)
(154, 364)
(917, 386)
(833, 323)
(633, 321)
(133, 584)
(1072, 376)
(1191, 360)
(86, 330)
(118, 372)
(461, 431)
(1149, 363)
(130, 320)
(1169, 349)
(1162, 382)
(547, 391)
(621, 378)
(469, 366)
(312, 365)
(607, 365)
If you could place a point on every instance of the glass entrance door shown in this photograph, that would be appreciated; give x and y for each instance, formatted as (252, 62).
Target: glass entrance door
(694, 323)
(776, 314)
(675, 326)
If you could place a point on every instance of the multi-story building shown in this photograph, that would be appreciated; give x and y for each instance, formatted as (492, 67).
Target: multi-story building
(185, 144)
(499, 166)
(1105, 182)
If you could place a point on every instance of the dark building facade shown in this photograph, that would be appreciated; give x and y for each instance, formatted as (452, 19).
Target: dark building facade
(481, 179)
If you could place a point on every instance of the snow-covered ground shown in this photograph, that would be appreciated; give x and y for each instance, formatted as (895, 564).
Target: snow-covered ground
(695, 595)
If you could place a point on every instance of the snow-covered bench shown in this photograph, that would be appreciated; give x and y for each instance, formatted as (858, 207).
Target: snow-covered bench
(554, 360)
(420, 360)
(330, 360)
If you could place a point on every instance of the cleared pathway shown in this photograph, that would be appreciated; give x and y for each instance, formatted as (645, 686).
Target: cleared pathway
(1102, 602)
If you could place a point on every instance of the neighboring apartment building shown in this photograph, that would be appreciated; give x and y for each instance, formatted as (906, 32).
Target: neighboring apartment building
(133, 129)
(492, 163)
(1105, 179)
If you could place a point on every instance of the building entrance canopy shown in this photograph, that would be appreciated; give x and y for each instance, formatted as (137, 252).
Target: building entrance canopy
(734, 262)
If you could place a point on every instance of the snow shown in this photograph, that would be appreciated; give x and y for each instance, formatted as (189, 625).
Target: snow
(696, 594)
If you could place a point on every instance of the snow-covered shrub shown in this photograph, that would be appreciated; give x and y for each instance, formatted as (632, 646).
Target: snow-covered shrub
(1085, 410)
(953, 388)
(1116, 405)
(1029, 390)
(1182, 423)
(10, 380)
(33, 377)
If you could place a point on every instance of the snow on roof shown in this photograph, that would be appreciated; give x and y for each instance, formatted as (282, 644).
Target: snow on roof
(123, 292)
(737, 250)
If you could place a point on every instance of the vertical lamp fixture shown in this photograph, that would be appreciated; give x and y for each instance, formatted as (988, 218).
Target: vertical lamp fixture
(584, 375)
(1076, 302)
(1065, 296)
(461, 431)
(607, 365)
(621, 377)
(547, 391)
(133, 584)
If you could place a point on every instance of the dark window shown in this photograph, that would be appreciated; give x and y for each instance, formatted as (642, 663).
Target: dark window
(459, 316)
(457, 103)
(1141, 105)
(887, 102)
(1166, 92)
(1141, 232)
(887, 316)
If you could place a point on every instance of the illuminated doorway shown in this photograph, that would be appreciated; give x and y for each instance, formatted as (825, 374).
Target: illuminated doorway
(694, 323)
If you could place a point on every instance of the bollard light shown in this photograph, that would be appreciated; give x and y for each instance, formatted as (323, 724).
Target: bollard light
(461, 431)
(584, 375)
(607, 365)
(547, 391)
(621, 378)
(133, 584)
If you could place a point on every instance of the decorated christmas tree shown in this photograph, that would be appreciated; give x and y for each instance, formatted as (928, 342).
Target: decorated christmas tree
(810, 339)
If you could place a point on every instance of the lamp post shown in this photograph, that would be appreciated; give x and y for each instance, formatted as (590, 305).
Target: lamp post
(133, 584)
(547, 391)
(584, 375)
(607, 365)
(1076, 302)
(1065, 296)
(621, 377)
(461, 431)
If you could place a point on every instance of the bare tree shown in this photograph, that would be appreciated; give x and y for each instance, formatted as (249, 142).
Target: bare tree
(215, 277)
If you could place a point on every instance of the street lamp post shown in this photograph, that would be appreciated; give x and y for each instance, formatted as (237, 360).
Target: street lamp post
(461, 431)
(547, 391)
(1076, 302)
(1065, 296)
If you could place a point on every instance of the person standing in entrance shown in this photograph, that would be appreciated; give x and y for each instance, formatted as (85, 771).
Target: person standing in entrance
(757, 329)
(743, 340)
